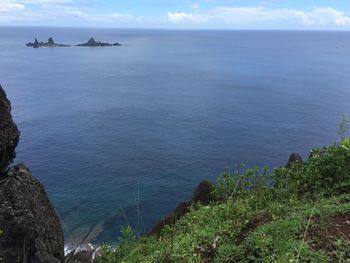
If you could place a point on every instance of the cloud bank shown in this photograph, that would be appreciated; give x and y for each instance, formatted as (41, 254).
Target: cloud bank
(79, 13)
(254, 16)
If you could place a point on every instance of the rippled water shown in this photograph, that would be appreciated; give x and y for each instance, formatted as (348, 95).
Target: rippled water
(121, 135)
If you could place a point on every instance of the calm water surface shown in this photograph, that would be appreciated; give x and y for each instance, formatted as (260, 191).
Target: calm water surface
(121, 135)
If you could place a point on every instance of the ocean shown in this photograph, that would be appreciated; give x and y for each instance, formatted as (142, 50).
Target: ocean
(121, 135)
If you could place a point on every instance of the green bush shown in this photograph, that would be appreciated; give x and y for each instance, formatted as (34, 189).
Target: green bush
(326, 172)
(241, 182)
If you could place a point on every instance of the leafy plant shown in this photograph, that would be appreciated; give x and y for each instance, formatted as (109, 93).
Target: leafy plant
(345, 143)
(240, 182)
(127, 235)
(107, 254)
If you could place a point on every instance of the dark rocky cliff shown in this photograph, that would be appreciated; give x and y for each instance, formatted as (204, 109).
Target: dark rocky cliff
(9, 134)
(30, 230)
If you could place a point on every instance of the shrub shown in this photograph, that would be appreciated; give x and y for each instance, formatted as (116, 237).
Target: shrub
(240, 182)
(326, 172)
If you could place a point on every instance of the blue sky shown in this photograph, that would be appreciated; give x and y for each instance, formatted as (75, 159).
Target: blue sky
(201, 14)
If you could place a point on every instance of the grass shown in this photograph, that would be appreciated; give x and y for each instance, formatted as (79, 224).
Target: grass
(256, 216)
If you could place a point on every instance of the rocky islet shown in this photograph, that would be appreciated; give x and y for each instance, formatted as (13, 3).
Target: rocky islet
(90, 43)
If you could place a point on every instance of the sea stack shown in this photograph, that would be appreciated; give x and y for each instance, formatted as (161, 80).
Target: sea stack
(50, 43)
(93, 43)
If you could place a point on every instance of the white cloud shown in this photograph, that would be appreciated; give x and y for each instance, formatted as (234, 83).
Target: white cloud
(74, 12)
(58, 12)
(257, 16)
(182, 17)
(9, 6)
(324, 16)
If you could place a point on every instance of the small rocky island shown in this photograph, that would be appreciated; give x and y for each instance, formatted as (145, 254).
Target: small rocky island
(51, 43)
(93, 43)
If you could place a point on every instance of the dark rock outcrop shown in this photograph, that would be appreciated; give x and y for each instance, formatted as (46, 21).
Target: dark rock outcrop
(202, 192)
(34, 44)
(50, 43)
(201, 195)
(93, 43)
(30, 230)
(9, 134)
(294, 158)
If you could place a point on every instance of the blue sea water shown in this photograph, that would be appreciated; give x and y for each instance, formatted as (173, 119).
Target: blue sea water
(121, 135)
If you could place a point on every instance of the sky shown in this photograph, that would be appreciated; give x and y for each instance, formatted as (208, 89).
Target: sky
(179, 14)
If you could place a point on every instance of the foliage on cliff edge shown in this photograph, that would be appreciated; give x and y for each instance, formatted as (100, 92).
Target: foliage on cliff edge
(295, 214)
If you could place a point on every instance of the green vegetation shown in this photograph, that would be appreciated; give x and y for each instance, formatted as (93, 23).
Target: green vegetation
(343, 127)
(295, 214)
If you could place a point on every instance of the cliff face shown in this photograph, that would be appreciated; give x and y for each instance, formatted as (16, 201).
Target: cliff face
(30, 230)
(9, 134)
